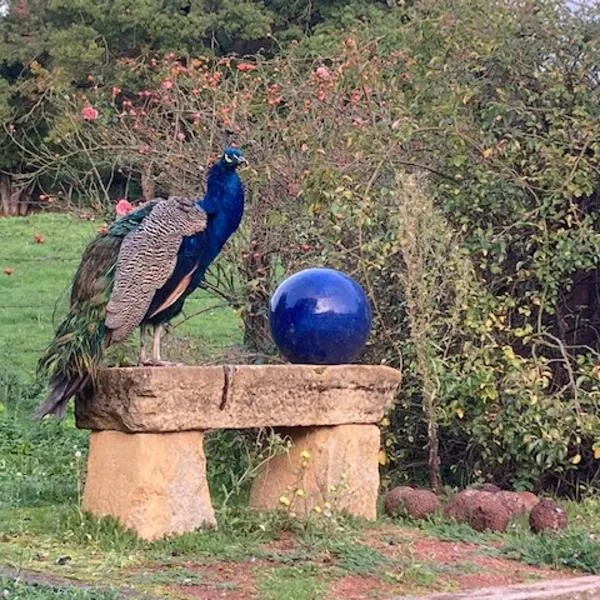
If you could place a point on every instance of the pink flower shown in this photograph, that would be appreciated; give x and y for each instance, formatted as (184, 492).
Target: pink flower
(323, 73)
(245, 67)
(180, 136)
(116, 90)
(123, 207)
(167, 84)
(89, 113)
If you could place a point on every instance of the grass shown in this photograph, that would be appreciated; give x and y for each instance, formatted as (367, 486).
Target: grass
(578, 547)
(300, 583)
(39, 284)
(42, 468)
(18, 590)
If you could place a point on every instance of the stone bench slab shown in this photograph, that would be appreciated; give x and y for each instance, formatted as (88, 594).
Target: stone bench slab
(170, 399)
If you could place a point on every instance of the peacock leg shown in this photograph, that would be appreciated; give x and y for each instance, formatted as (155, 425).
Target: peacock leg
(142, 357)
(156, 360)
(156, 345)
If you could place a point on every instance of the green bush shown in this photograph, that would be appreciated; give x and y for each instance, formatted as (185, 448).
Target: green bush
(447, 156)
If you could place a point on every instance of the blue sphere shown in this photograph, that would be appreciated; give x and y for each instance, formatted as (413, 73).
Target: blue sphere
(320, 316)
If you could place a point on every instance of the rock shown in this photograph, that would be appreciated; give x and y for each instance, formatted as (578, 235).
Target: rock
(529, 500)
(421, 503)
(488, 513)
(483, 510)
(460, 505)
(394, 500)
(147, 399)
(335, 465)
(153, 483)
(487, 487)
(513, 503)
(547, 515)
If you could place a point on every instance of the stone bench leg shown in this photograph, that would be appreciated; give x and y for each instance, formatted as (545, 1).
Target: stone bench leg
(153, 483)
(336, 465)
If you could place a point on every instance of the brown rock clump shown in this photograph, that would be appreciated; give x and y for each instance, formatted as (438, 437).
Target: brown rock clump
(394, 500)
(419, 504)
(487, 487)
(547, 515)
(513, 503)
(529, 500)
(460, 505)
(488, 513)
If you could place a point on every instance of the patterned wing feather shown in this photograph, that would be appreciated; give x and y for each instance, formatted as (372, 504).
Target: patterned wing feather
(147, 259)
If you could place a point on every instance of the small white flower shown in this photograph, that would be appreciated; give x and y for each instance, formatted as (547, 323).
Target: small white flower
(78, 454)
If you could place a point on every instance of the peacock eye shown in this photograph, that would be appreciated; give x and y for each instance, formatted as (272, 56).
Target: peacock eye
(228, 158)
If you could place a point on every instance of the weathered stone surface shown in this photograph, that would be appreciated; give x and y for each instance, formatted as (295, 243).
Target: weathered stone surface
(336, 465)
(155, 399)
(152, 483)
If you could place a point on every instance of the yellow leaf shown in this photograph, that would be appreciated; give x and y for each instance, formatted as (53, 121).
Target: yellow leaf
(382, 457)
(509, 352)
(460, 413)
(385, 422)
(576, 459)
(468, 96)
(488, 152)
(597, 453)
(284, 500)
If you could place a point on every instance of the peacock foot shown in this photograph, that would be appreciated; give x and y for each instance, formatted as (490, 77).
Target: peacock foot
(150, 362)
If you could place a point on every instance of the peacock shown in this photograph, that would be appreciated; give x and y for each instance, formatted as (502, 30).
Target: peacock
(139, 273)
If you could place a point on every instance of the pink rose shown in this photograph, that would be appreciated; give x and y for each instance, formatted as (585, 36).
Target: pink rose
(323, 73)
(89, 113)
(123, 207)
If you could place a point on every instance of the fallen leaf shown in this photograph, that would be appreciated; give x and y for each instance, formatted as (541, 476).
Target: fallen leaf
(39, 239)
(8, 271)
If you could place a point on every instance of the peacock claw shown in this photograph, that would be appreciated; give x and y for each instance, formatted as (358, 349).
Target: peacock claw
(160, 363)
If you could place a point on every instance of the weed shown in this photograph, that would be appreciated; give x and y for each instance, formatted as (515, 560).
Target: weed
(573, 549)
(18, 590)
(357, 558)
(299, 583)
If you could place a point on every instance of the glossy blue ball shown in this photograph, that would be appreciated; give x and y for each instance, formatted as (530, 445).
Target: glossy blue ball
(320, 316)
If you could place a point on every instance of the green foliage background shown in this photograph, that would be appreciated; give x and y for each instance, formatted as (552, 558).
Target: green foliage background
(447, 156)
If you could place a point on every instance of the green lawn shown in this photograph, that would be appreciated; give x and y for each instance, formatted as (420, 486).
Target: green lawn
(271, 557)
(39, 285)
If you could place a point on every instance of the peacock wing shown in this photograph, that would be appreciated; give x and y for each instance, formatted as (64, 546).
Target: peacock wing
(93, 276)
(147, 259)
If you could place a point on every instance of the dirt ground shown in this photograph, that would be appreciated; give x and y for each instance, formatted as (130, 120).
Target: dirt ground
(418, 564)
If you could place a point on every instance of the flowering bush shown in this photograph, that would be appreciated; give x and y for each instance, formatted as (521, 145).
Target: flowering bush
(479, 273)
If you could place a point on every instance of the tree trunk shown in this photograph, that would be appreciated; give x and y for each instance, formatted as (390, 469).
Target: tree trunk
(148, 183)
(4, 194)
(14, 196)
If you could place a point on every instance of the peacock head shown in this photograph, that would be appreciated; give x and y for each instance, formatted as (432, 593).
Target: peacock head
(233, 157)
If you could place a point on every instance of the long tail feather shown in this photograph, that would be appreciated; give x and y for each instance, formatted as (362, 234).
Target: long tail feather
(72, 358)
(61, 389)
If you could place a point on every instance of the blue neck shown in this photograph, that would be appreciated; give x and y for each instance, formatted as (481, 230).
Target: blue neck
(224, 196)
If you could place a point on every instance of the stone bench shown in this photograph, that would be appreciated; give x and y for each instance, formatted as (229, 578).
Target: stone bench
(147, 466)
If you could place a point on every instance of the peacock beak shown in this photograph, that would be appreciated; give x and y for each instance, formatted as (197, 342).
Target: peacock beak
(242, 160)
